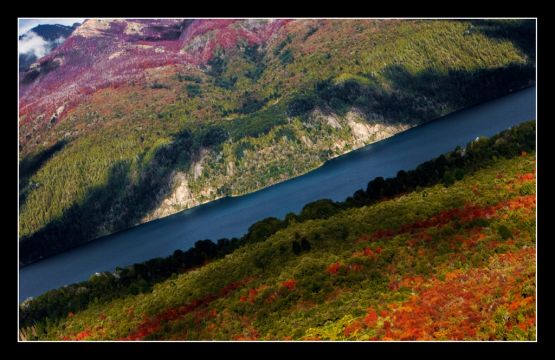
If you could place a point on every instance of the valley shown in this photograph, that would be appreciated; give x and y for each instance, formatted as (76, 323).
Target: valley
(266, 179)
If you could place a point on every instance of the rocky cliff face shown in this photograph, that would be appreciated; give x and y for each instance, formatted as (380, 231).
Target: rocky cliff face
(213, 171)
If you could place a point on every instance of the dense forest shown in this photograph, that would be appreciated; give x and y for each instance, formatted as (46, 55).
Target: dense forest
(253, 115)
(401, 259)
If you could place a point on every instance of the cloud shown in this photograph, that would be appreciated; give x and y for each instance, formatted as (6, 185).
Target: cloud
(35, 44)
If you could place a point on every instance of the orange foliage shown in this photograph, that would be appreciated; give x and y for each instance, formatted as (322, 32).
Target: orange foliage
(352, 328)
(83, 335)
(455, 308)
(371, 318)
(333, 268)
(289, 284)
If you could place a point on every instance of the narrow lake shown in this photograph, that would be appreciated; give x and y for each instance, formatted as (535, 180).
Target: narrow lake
(229, 217)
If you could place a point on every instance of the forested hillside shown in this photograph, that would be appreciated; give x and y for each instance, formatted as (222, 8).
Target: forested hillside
(446, 251)
(170, 115)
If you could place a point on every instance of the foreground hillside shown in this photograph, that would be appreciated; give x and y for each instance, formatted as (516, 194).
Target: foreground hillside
(453, 261)
(129, 121)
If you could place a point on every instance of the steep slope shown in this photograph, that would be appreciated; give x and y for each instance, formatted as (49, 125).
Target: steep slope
(454, 261)
(129, 121)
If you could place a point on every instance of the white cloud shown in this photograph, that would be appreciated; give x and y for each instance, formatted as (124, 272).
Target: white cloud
(33, 43)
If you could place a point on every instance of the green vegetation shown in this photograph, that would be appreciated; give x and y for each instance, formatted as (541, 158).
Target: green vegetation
(350, 270)
(256, 115)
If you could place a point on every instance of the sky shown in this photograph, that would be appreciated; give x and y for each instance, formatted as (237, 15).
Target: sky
(26, 24)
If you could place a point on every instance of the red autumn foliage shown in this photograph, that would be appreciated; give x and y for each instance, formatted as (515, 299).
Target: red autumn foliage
(273, 297)
(333, 268)
(465, 214)
(527, 177)
(153, 325)
(383, 233)
(455, 308)
(289, 284)
(83, 335)
(371, 318)
(352, 328)
(355, 267)
(368, 252)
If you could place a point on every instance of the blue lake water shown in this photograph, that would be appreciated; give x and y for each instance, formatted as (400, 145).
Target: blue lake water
(231, 217)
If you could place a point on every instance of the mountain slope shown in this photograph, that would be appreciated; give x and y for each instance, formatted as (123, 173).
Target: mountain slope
(129, 121)
(454, 261)
(41, 40)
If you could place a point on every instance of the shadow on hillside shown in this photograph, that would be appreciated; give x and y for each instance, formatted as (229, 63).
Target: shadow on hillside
(522, 33)
(430, 93)
(78, 222)
(31, 164)
(115, 206)
(415, 98)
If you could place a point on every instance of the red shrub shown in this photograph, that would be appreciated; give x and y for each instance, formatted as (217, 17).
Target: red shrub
(333, 268)
(355, 267)
(371, 318)
(352, 328)
(289, 284)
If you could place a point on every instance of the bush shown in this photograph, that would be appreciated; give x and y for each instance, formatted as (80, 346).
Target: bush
(262, 229)
(226, 83)
(157, 85)
(193, 90)
(182, 77)
(319, 209)
(214, 136)
(296, 247)
(305, 244)
(448, 179)
(301, 105)
(286, 57)
(504, 232)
